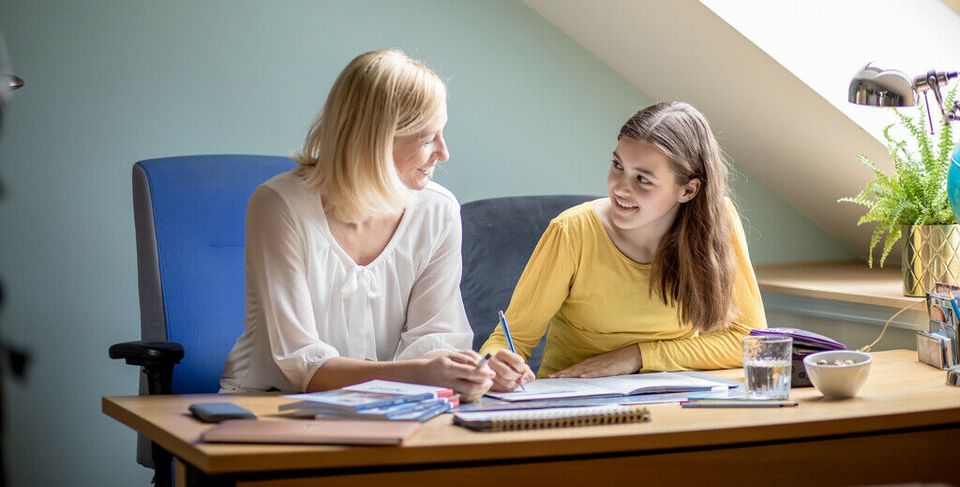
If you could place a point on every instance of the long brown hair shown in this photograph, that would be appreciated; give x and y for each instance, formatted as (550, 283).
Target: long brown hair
(694, 265)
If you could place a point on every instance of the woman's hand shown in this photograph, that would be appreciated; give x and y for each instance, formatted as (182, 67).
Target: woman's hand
(511, 371)
(626, 360)
(458, 371)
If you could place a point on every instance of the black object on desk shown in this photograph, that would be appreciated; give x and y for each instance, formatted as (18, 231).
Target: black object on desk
(215, 412)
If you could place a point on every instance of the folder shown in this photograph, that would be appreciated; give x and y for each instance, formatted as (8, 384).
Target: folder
(337, 432)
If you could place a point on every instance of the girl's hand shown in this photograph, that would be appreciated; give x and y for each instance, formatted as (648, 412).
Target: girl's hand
(511, 371)
(458, 371)
(626, 360)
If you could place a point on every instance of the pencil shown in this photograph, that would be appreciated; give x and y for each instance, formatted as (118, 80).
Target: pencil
(484, 360)
(735, 403)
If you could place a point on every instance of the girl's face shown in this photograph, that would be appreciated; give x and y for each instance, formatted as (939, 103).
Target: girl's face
(416, 155)
(643, 189)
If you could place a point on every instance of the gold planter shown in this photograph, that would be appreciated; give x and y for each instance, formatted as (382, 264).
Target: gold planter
(931, 254)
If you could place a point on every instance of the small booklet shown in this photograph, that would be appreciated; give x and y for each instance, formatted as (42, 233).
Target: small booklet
(550, 418)
(402, 388)
(411, 411)
(352, 401)
(620, 385)
(311, 431)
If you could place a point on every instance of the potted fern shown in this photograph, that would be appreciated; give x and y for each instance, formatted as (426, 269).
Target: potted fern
(912, 203)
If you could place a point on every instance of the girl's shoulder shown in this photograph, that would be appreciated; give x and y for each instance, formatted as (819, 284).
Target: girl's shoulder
(580, 219)
(582, 214)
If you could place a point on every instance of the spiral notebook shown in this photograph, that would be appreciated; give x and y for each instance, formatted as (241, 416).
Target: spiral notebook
(533, 419)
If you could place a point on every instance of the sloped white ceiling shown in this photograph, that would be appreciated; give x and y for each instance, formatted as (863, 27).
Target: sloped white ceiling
(954, 4)
(774, 127)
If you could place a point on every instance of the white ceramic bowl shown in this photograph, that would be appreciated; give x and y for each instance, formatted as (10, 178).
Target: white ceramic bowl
(838, 381)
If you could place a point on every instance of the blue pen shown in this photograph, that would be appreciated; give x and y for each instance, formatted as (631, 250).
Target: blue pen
(506, 333)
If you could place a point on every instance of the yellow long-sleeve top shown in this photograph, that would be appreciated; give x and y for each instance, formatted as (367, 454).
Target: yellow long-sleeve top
(596, 300)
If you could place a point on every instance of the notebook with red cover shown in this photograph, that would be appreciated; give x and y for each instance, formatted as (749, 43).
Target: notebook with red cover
(335, 432)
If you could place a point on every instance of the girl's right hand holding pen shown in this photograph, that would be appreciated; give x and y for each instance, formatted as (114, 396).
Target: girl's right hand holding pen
(512, 371)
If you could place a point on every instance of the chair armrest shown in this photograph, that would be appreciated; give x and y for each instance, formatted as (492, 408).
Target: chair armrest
(148, 353)
(156, 358)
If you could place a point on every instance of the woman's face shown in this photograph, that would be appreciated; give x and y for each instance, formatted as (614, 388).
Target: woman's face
(417, 155)
(642, 187)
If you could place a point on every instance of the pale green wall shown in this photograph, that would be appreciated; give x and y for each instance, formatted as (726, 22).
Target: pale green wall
(112, 82)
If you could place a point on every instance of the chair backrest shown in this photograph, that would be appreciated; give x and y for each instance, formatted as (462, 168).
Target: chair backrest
(499, 235)
(189, 217)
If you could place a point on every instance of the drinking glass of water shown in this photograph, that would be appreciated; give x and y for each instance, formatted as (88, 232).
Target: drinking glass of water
(766, 366)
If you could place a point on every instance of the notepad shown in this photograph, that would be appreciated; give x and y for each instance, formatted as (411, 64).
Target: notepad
(620, 385)
(337, 432)
(551, 418)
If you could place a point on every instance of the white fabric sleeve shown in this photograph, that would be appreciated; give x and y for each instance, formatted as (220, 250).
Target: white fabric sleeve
(275, 253)
(436, 319)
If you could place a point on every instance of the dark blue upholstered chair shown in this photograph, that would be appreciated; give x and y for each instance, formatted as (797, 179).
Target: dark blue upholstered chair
(189, 219)
(499, 234)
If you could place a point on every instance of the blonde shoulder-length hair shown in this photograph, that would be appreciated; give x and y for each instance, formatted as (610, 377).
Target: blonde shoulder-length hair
(348, 153)
(694, 266)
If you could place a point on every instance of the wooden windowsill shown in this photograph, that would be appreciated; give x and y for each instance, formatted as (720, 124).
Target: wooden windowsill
(851, 282)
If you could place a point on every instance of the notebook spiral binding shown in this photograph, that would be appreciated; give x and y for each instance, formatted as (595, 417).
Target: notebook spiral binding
(558, 418)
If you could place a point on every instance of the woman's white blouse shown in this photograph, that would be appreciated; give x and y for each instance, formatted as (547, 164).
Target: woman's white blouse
(307, 301)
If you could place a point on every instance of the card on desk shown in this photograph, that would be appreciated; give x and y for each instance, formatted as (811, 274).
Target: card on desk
(335, 432)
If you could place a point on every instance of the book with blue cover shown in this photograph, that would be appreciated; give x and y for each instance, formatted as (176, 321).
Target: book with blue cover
(375, 400)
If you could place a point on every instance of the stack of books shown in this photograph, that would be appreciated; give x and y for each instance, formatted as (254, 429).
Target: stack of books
(375, 400)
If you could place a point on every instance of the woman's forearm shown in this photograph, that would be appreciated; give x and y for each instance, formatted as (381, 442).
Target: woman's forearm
(342, 371)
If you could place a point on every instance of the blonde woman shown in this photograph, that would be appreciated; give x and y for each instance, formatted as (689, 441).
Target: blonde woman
(654, 277)
(353, 259)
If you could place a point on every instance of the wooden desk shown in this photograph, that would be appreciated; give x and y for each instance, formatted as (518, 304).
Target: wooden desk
(903, 427)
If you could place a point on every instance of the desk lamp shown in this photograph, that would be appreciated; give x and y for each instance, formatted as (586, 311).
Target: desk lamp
(878, 87)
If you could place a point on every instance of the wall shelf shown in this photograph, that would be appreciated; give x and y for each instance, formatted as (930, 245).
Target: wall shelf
(844, 300)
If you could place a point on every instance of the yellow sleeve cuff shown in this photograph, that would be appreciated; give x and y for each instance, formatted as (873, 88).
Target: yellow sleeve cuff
(649, 357)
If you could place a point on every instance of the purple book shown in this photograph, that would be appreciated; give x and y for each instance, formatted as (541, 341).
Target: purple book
(802, 337)
(805, 342)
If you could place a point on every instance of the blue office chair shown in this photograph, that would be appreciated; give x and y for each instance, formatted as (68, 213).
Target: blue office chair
(189, 219)
(499, 235)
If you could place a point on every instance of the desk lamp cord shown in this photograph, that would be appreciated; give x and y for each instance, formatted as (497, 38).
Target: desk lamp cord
(869, 348)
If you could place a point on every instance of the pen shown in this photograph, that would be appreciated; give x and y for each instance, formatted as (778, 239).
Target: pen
(508, 336)
(506, 331)
(484, 360)
(735, 403)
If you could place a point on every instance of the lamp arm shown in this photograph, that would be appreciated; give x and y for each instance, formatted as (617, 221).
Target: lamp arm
(932, 81)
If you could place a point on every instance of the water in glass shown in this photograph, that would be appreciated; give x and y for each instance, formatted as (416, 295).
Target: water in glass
(766, 366)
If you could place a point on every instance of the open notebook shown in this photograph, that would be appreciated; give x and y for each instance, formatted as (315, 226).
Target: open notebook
(620, 385)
